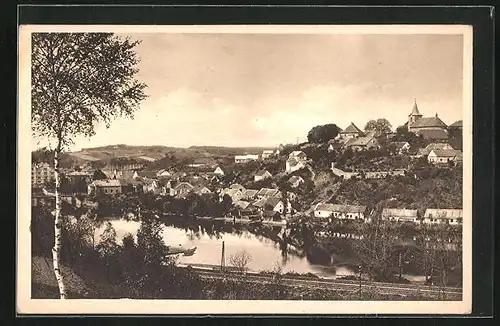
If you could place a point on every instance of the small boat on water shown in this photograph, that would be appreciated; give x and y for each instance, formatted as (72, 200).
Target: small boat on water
(181, 250)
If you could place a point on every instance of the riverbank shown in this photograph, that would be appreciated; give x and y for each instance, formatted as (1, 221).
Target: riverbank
(217, 287)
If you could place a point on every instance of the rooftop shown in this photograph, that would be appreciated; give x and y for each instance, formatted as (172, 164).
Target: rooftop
(443, 213)
(352, 129)
(435, 134)
(399, 212)
(340, 208)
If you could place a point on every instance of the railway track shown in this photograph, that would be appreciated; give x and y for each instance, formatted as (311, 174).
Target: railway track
(344, 285)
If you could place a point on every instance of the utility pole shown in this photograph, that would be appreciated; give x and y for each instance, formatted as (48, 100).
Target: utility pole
(360, 270)
(222, 259)
(400, 266)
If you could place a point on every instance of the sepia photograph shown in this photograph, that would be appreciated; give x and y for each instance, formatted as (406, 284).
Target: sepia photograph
(245, 169)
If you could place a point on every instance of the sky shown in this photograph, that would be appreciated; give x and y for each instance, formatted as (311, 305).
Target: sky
(265, 89)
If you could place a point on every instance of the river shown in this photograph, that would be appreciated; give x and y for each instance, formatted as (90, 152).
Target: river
(207, 237)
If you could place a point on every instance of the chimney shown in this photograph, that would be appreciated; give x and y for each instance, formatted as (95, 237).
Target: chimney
(436, 115)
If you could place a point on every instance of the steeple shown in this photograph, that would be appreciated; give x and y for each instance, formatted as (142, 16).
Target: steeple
(415, 111)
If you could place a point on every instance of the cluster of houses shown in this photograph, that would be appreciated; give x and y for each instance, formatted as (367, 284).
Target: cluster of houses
(430, 128)
(356, 212)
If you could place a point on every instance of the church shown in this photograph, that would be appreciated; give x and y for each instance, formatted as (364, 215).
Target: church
(432, 128)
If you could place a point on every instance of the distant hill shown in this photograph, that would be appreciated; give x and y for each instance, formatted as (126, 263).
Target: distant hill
(149, 153)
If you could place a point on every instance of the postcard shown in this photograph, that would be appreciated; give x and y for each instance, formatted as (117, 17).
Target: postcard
(250, 169)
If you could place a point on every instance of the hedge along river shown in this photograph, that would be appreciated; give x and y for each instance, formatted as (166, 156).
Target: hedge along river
(262, 243)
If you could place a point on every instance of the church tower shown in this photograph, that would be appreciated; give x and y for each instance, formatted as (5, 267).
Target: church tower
(414, 115)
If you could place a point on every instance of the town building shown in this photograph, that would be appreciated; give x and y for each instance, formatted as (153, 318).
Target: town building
(429, 127)
(245, 158)
(41, 174)
(399, 215)
(362, 143)
(443, 216)
(296, 160)
(350, 132)
(267, 192)
(457, 125)
(439, 146)
(267, 153)
(201, 190)
(235, 194)
(163, 173)
(249, 194)
(442, 156)
(261, 175)
(106, 187)
(218, 171)
(237, 186)
(183, 189)
(295, 181)
(350, 212)
(400, 147)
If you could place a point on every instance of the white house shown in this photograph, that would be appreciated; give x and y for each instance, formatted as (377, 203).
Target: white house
(245, 158)
(163, 173)
(218, 171)
(235, 194)
(350, 212)
(399, 215)
(401, 147)
(276, 204)
(261, 175)
(350, 132)
(443, 156)
(296, 161)
(443, 216)
(267, 153)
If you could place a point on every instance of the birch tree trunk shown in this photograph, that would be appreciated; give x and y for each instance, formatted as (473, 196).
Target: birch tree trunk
(56, 251)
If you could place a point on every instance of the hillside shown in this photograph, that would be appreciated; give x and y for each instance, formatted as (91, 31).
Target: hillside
(145, 153)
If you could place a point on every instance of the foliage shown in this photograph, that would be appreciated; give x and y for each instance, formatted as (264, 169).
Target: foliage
(240, 260)
(99, 175)
(79, 79)
(323, 133)
(379, 126)
(376, 249)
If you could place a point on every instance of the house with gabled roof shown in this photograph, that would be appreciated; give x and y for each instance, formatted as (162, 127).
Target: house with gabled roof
(249, 194)
(261, 175)
(443, 216)
(234, 193)
(218, 171)
(163, 173)
(351, 212)
(107, 187)
(183, 189)
(400, 147)
(362, 143)
(440, 146)
(399, 215)
(267, 192)
(352, 131)
(442, 156)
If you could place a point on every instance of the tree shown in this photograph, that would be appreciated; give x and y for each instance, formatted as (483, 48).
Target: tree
(377, 248)
(323, 133)
(108, 248)
(240, 260)
(99, 175)
(380, 126)
(79, 80)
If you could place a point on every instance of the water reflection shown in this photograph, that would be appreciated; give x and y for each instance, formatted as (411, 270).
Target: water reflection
(267, 245)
